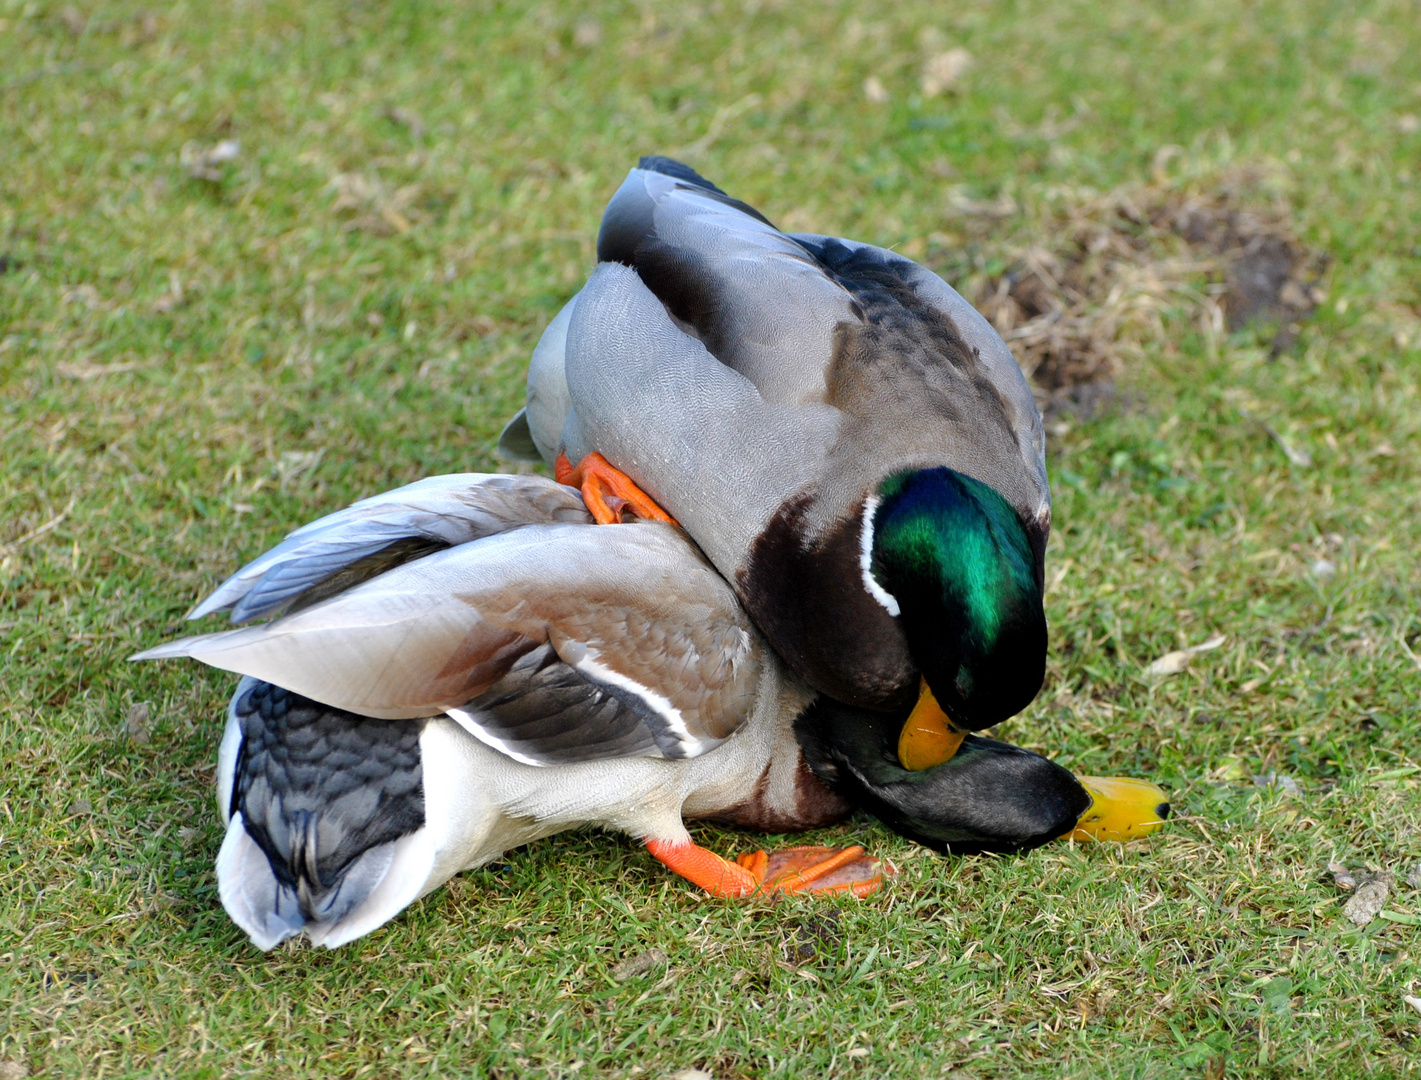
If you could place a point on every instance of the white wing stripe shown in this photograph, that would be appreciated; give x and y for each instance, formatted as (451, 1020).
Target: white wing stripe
(465, 720)
(660, 704)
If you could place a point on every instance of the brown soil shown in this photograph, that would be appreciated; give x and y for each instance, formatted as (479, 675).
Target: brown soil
(1076, 308)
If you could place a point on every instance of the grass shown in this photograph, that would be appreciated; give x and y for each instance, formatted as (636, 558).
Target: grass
(190, 367)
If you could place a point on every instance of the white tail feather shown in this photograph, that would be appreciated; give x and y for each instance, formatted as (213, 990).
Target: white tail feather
(395, 876)
(227, 754)
(401, 885)
(253, 897)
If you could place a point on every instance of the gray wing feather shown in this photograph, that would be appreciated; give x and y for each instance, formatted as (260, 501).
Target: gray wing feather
(993, 354)
(753, 295)
(632, 612)
(772, 307)
(545, 712)
(441, 511)
(696, 434)
(516, 439)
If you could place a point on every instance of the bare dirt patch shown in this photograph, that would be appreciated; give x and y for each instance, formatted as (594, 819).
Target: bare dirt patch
(1091, 295)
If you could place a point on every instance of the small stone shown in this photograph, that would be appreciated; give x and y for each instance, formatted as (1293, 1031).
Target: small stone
(205, 162)
(136, 726)
(944, 71)
(875, 91)
(73, 19)
(587, 34)
(408, 119)
(1341, 875)
(1364, 904)
(691, 1074)
(10, 1069)
(1323, 568)
(639, 965)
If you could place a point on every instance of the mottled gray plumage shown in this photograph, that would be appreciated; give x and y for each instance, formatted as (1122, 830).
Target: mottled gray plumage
(325, 794)
(377, 534)
(714, 288)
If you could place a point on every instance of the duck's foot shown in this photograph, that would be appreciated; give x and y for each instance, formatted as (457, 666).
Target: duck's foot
(796, 869)
(608, 492)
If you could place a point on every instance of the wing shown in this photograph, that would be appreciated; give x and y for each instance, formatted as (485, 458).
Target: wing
(755, 297)
(964, 368)
(365, 540)
(553, 643)
(697, 435)
(915, 377)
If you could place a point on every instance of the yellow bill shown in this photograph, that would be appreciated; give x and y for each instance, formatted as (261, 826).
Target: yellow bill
(1122, 809)
(928, 738)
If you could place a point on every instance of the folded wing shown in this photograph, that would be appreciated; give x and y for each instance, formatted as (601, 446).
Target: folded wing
(553, 642)
(376, 534)
(755, 297)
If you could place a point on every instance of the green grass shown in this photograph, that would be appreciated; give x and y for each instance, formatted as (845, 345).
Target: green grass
(335, 337)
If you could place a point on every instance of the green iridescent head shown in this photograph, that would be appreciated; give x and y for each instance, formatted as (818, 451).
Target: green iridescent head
(953, 556)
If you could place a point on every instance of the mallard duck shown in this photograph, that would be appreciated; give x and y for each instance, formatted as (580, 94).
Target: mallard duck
(848, 441)
(467, 664)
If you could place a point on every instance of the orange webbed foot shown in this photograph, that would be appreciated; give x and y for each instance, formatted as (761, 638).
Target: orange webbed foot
(608, 492)
(796, 869)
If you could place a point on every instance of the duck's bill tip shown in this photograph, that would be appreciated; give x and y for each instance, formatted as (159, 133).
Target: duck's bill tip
(1122, 808)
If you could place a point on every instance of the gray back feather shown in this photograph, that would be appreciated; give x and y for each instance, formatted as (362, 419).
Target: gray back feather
(752, 294)
(994, 362)
(841, 344)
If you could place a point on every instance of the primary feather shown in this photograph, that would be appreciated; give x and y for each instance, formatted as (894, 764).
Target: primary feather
(553, 641)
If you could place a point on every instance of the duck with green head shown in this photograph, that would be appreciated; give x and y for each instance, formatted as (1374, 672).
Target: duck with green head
(466, 664)
(851, 444)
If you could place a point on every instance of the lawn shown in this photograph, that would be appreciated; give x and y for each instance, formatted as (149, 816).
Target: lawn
(260, 259)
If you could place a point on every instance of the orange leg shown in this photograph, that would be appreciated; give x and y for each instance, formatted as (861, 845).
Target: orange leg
(607, 491)
(797, 869)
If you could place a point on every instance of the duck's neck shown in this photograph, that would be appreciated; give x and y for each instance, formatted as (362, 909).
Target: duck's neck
(811, 601)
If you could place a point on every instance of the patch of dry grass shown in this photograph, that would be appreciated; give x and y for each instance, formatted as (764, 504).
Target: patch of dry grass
(1108, 278)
